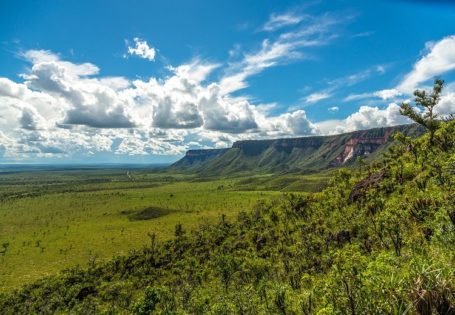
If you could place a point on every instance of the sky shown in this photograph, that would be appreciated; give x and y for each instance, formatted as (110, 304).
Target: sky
(143, 81)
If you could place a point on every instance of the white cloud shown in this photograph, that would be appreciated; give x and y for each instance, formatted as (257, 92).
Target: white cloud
(142, 49)
(86, 101)
(357, 97)
(333, 109)
(11, 89)
(68, 109)
(382, 94)
(277, 21)
(270, 54)
(62, 110)
(37, 57)
(357, 77)
(366, 117)
(387, 94)
(363, 34)
(348, 81)
(446, 105)
(439, 59)
(316, 97)
(175, 101)
(31, 119)
(287, 47)
(371, 117)
(223, 113)
(364, 75)
(298, 123)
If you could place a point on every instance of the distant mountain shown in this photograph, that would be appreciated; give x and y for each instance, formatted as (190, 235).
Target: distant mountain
(195, 158)
(296, 155)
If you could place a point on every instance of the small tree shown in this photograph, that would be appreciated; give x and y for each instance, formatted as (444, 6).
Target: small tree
(5, 248)
(226, 266)
(427, 101)
(148, 303)
(179, 231)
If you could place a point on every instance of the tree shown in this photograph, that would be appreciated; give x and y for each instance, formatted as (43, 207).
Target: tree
(427, 101)
(148, 303)
(227, 265)
(5, 248)
(179, 231)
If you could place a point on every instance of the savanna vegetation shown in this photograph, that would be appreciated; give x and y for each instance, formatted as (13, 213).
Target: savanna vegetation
(379, 239)
(54, 220)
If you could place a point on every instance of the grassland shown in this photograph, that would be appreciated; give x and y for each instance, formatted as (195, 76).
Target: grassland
(54, 220)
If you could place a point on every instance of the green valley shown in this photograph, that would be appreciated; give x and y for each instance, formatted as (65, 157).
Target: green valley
(57, 220)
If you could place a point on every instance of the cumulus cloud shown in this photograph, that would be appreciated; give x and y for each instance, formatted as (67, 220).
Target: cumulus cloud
(98, 117)
(387, 93)
(87, 101)
(31, 119)
(46, 56)
(9, 88)
(65, 109)
(174, 102)
(142, 49)
(371, 117)
(446, 106)
(298, 123)
(167, 115)
(365, 118)
(333, 109)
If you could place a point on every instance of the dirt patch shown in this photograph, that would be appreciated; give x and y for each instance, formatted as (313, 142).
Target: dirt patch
(146, 213)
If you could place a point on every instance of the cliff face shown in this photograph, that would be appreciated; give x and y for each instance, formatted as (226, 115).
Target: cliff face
(256, 147)
(293, 154)
(194, 158)
(361, 146)
(204, 153)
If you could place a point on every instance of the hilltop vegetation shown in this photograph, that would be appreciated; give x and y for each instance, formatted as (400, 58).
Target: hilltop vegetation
(378, 240)
(292, 155)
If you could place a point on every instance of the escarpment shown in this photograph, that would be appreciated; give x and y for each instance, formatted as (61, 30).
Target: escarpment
(301, 155)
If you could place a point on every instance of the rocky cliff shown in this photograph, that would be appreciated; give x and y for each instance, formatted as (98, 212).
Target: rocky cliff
(195, 158)
(304, 154)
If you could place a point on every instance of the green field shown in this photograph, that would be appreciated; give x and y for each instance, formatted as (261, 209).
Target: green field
(54, 220)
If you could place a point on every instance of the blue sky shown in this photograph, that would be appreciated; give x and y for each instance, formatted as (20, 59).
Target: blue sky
(143, 81)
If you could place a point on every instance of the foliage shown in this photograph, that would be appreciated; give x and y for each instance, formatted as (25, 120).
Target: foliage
(427, 102)
(54, 220)
(377, 240)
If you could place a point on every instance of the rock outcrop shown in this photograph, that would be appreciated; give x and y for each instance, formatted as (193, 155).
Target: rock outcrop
(195, 158)
(304, 154)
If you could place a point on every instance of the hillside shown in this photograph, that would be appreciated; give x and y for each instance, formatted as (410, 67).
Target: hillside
(379, 239)
(292, 155)
(195, 158)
